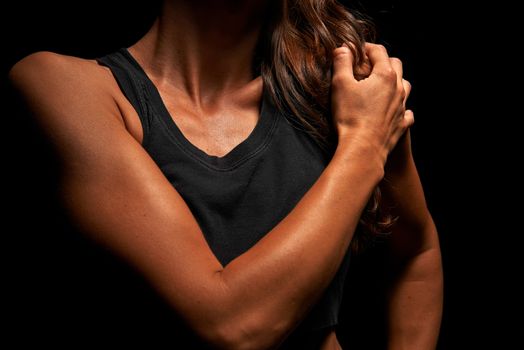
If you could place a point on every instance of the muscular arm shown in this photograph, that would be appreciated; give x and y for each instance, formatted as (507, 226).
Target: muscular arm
(415, 299)
(119, 196)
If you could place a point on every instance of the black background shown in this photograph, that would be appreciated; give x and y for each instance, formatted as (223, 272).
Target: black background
(59, 287)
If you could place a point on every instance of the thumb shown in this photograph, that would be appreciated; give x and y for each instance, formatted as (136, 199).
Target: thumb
(343, 62)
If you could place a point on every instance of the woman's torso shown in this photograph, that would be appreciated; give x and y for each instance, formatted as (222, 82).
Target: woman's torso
(239, 197)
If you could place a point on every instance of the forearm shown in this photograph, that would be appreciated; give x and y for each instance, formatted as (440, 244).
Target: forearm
(280, 278)
(415, 299)
(144, 220)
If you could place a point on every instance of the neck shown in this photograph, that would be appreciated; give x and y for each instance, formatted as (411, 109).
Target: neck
(204, 48)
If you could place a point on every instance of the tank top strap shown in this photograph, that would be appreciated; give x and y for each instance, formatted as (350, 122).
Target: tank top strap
(131, 83)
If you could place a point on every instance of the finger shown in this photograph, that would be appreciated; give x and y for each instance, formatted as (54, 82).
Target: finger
(363, 70)
(397, 66)
(343, 62)
(407, 87)
(407, 90)
(378, 56)
(409, 118)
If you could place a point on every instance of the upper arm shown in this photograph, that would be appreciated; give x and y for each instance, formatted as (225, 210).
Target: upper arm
(414, 231)
(113, 189)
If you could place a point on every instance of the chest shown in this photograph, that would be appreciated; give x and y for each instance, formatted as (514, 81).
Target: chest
(247, 193)
(215, 131)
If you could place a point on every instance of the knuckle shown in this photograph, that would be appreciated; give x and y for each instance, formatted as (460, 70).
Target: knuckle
(381, 48)
(378, 48)
(409, 117)
(389, 74)
(352, 46)
(396, 60)
(341, 52)
(407, 89)
(339, 80)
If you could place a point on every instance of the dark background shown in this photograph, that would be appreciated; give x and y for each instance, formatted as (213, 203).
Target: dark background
(64, 291)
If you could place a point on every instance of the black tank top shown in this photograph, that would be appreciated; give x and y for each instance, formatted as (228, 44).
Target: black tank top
(238, 198)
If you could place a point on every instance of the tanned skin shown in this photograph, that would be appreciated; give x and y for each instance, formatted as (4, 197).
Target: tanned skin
(199, 56)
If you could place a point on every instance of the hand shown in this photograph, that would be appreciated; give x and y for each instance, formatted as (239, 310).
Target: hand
(371, 111)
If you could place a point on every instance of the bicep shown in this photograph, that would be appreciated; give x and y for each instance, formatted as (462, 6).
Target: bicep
(122, 200)
(113, 189)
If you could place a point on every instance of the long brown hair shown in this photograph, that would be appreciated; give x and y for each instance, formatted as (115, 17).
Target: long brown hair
(295, 59)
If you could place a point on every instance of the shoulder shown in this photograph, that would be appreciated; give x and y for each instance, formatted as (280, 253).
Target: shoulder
(55, 71)
(53, 85)
(50, 76)
(71, 99)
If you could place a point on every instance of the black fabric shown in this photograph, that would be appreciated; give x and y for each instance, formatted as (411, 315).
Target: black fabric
(240, 197)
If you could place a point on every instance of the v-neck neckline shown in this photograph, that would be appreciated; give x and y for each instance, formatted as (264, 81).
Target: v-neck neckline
(254, 143)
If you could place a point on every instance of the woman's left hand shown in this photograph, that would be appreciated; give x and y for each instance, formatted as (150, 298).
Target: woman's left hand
(402, 151)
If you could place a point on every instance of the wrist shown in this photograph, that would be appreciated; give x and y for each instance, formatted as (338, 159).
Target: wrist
(359, 147)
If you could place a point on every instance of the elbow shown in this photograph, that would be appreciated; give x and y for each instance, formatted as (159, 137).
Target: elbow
(228, 337)
(244, 333)
(227, 322)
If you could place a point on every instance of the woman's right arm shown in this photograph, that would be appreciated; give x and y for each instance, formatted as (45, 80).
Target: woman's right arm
(118, 195)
